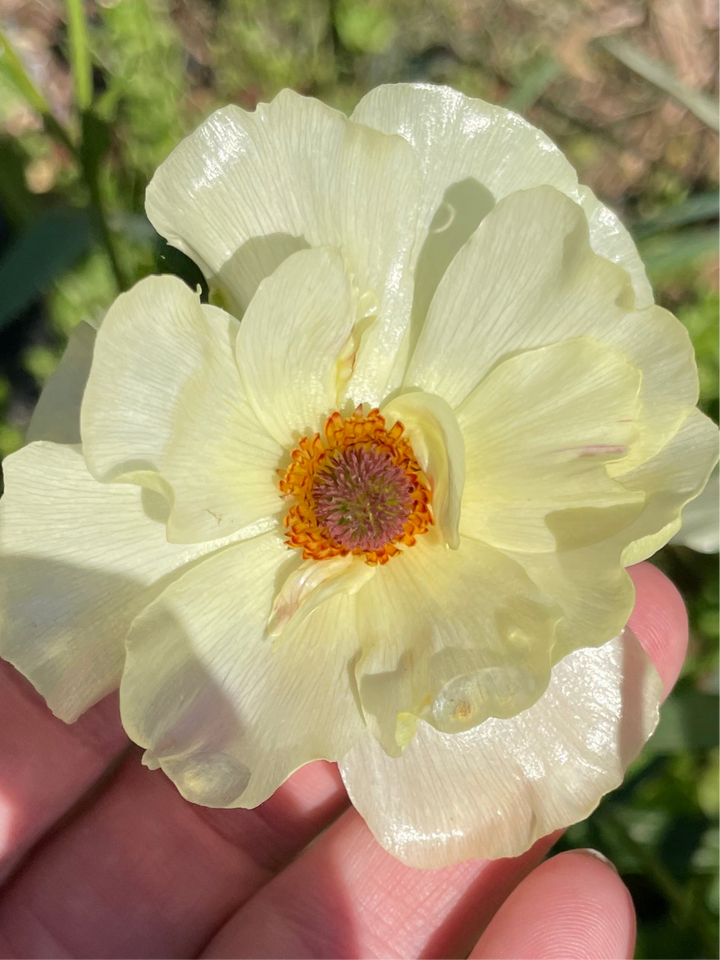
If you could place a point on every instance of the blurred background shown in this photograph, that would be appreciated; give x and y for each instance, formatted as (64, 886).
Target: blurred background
(93, 98)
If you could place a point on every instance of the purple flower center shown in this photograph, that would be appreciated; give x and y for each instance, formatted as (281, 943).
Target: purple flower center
(362, 498)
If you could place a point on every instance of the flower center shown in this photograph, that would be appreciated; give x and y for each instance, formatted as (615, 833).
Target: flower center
(359, 490)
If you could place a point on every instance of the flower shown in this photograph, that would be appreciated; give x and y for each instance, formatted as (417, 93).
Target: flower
(701, 519)
(385, 519)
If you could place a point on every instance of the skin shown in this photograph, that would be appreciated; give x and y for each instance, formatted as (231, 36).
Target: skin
(100, 857)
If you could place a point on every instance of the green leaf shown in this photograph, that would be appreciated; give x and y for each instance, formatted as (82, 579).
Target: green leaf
(18, 204)
(668, 255)
(13, 66)
(48, 247)
(539, 73)
(703, 106)
(688, 721)
(80, 53)
(703, 206)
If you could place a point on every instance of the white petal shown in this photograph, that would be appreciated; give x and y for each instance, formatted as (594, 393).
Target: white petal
(57, 414)
(589, 582)
(539, 431)
(227, 713)
(452, 636)
(164, 406)
(297, 169)
(291, 342)
(611, 240)
(528, 278)
(471, 155)
(79, 560)
(671, 479)
(700, 528)
(437, 441)
(494, 790)
(311, 584)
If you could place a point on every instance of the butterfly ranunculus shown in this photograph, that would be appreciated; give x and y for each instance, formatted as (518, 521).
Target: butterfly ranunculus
(375, 504)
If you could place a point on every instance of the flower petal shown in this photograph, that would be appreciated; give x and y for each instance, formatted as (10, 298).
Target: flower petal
(494, 790)
(670, 480)
(700, 528)
(452, 637)
(589, 582)
(611, 239)
(527, 278)
(311, 584)
(227, 713)
(539, 431)
(471, 155)
(291, 343)
(591, 587)
(79, 560)
(164, 406)
(56, 416)
(437, 441)
(296, 168)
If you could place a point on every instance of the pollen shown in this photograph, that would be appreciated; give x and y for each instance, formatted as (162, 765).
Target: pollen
(358, 489)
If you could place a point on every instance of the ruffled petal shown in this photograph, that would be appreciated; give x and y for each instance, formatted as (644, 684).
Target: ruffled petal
(255, 186)
(612, 240)
(494, 790)
(700, 528)
(452, 637)
(294, 341)
(590, 583)
(56, 416)
(539, 432)
(80, 559)
(311, 584)
(165, 407)
(437, 441)
(471, 155)
(528, 278)
(671, 479)
(225, 711)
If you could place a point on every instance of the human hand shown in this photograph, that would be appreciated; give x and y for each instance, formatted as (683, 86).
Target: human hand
(101, 857)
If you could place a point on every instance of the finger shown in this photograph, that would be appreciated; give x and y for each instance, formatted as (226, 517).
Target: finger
(188, 927)
(573, 905)
(143, 873)
(346, 897)
(659, 621)
(45, 764)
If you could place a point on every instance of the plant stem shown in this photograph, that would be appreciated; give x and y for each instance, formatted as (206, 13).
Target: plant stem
(30, 92)
(99, 215)
(80, 54)
(89, 162)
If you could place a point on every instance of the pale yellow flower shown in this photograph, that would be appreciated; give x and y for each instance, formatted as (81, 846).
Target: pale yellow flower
(701, 519)
(271, 577)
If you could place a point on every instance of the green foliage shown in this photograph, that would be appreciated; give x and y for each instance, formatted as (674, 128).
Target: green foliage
(43, 251)
(259, 48)
(143, 59)
(700, 318)
(364, 27)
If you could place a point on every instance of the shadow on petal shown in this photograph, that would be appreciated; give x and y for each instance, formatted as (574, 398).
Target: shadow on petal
(240, 276)
(464, 205)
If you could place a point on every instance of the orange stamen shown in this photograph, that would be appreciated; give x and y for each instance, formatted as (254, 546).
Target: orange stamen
(314, 456)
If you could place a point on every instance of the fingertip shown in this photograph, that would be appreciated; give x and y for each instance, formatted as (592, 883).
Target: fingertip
(659, 621)
(573, 905)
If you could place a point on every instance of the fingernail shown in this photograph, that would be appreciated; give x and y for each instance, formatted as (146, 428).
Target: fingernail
(598, 856)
